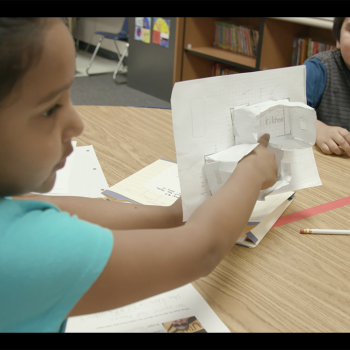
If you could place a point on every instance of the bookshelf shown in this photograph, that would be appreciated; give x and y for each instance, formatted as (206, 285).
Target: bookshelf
(223, 56)
(275, 46)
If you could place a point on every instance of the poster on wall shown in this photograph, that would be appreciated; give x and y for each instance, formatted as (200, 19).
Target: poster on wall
(161, 31)
(143, 29)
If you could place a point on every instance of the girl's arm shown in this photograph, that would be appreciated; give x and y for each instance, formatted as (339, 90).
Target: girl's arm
(147, 262)
(115, 215)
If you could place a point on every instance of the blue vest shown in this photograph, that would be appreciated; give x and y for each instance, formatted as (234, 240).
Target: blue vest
(334, 109)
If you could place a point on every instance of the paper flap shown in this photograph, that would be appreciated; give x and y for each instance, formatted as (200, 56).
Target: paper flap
(259, 232)
(253, 237)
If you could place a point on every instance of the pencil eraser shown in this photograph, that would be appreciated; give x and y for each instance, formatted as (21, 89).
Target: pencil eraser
(301, 230)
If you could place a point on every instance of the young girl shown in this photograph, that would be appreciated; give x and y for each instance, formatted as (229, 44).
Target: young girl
(68, 256)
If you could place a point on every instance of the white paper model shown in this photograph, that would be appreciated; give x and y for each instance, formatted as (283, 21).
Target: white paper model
(202, 123)
(219, 166)
(291, 125)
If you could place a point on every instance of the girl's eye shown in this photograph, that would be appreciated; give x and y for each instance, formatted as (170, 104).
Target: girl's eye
(50, 111)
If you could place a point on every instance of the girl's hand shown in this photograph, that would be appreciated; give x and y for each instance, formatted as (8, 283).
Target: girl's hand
(263, 162)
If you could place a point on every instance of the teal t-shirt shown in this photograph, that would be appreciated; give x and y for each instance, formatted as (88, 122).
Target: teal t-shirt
(48, 260)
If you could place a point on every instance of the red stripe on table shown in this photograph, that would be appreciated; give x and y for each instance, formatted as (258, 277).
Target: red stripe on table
(302, 214)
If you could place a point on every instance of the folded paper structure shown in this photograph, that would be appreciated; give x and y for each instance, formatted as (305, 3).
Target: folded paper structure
(291, 125)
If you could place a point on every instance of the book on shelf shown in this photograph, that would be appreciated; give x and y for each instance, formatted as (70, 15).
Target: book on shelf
(220, 69)
(236, 38)
(303, 48)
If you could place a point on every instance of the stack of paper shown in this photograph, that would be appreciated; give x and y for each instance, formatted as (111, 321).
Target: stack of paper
(81, 176)
(156, 184)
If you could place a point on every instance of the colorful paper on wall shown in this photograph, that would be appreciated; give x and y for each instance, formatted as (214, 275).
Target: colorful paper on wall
(146, 35)
(139, 22)
(147, 21)
(143, 29)
(138, 33)
(161, 31)
(156, 37)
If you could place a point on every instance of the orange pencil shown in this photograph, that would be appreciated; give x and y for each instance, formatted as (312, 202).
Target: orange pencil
(325, 232)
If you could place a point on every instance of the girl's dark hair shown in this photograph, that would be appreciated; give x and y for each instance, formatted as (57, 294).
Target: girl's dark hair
(21, 44)
(337, 24)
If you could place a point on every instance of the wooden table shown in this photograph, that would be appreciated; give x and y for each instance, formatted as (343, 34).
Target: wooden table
(290, 282)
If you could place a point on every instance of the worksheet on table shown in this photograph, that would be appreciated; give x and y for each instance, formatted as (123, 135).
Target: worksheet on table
(155, 184)
(163, 313)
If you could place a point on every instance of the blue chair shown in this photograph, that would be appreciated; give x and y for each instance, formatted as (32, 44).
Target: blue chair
(121, 36)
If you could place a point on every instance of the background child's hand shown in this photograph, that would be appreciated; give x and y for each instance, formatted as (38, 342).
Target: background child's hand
(264, 162)
(329, 138)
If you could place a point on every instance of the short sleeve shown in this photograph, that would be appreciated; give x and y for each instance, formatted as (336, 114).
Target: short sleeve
(316, 77)
(48, 260)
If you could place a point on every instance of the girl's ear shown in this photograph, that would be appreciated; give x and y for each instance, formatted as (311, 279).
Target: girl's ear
(337, 45)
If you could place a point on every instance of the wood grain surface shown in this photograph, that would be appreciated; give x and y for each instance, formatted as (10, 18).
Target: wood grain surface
(289, 282)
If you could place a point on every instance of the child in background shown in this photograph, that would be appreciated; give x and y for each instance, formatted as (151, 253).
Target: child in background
(69, 256)
(328, 91)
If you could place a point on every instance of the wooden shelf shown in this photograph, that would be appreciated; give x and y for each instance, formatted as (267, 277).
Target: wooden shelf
(222, 56)
(275, 47)
(309, 21)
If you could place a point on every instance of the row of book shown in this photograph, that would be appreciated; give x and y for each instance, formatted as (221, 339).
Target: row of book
(220, 69)
(235, 38)
(303, 48)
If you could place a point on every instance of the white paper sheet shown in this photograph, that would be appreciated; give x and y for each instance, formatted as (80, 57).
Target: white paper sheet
(202, 124)
(63, 175)
(152, 315)
(84, 174)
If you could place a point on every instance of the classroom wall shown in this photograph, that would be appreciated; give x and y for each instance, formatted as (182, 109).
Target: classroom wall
(85, 28)
(151, 66)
